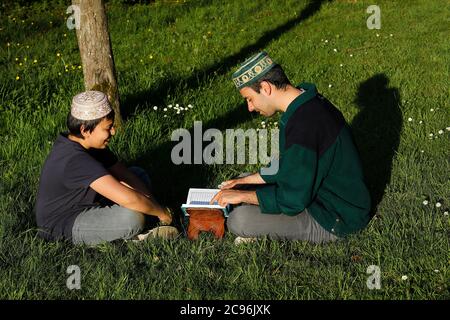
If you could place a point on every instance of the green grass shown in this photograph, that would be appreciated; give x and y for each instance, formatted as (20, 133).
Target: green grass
(168, 53)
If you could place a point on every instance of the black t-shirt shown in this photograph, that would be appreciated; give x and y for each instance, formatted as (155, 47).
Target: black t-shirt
(64, 190)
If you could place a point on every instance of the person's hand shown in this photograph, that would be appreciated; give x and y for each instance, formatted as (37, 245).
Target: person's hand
(225, 197)
(229, 184)
(166, 217)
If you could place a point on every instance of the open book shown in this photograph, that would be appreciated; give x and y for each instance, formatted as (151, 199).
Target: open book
(200, 198)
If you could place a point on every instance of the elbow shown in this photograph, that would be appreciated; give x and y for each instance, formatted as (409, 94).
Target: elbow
(130, 200)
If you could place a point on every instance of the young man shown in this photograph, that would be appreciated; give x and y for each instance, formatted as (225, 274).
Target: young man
(318, 193)
(80, 171)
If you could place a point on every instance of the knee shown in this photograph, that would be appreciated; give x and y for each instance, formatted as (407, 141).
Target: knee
(141, 174)
(137, 170)
(131, 221)
(237, 221)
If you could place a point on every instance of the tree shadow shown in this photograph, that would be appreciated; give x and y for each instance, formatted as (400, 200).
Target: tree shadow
(198, 78)
(376, 130)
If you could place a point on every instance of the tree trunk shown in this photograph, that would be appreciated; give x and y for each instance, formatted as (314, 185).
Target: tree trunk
(96, 53)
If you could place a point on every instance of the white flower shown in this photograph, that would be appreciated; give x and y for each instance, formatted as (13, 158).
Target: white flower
(165, 116)
(178, 112)
(421, 151)
(335, 50)
(190, 106)
(155, 108)
(177, 105)
(351, 55)
(181, 108)
(448, 128)
(438, 204)
(404, 278)
(165, 109)
(341, 65)
(430, 134)
(445, 213)
(378, 35)
(326, 41)
(441, 131)
(329, 86)
(263, 122)
(391, 35)
(275, 123)
(436, 270)
(420, 122)
(169, 106)
(425, 202)
(410, 119)
(431, 109)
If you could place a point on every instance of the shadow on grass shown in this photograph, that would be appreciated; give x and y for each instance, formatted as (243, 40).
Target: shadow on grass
(376, 130)
(172, 182)
(197, 79)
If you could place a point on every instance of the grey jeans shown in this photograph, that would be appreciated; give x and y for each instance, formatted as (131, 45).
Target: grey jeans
(247, 220)
(108, 223)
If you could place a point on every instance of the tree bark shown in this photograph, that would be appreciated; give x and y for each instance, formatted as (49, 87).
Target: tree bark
(96, 53)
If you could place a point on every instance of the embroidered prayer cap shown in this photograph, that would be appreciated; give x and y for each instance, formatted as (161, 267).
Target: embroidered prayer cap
(90, 105)
(252, 69)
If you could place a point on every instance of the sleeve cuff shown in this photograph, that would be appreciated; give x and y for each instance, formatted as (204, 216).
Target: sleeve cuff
(267, 199)
(268, 178)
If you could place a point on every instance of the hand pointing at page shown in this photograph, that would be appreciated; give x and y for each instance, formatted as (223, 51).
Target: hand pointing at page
(226, 197)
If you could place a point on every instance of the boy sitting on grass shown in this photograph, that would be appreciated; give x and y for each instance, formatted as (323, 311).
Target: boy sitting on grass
(80, 170)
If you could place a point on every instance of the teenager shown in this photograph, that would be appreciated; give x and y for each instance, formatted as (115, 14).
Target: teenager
(81, 171)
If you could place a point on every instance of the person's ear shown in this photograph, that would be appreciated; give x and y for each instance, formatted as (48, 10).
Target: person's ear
(266, 88)
(85, 133)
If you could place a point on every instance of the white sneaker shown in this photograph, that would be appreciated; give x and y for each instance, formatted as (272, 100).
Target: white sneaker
(163, 232)
(240, 240)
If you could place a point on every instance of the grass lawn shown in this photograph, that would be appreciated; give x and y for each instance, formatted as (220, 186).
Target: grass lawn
(391, 84)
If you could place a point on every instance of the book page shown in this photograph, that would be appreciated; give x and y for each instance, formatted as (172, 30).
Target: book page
(201, 196)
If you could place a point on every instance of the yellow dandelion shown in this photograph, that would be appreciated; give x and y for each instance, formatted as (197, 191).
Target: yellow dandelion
(79, 67)
(58, 54)
(17, 77)
(20, 64)
(17, 59)
(34, 61)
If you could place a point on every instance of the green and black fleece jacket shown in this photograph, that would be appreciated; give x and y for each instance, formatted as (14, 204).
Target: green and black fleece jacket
(319, 167)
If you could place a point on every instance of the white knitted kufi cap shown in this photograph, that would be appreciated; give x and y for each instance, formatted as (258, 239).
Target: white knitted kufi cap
(90, 105)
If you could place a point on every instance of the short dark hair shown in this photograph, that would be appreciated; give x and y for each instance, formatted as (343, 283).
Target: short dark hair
(275, 76)
(74, 124)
